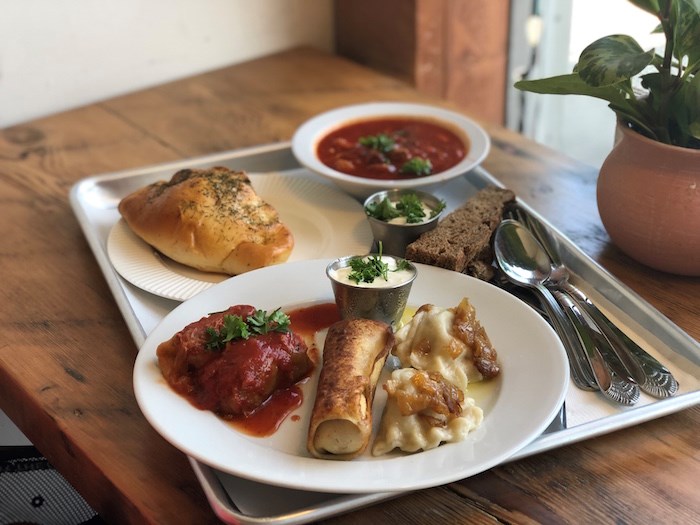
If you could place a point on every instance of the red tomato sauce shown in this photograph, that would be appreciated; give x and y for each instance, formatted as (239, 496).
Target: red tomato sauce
(254, 382)
(308, 320)
(349, 151)
(269, 416)
(265, 421)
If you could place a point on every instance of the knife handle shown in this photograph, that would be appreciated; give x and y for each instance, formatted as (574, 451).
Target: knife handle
(611, 331)
(613, 386)
(593, 331)
(653, 377)
(581, 373)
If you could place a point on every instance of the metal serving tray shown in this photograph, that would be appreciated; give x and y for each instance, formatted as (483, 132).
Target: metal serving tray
(236, 500)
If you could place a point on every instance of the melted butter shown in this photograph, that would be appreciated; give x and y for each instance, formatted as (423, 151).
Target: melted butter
(480, 390)
(408, 314)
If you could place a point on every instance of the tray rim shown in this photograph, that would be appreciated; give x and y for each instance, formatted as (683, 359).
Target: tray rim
(207, 476)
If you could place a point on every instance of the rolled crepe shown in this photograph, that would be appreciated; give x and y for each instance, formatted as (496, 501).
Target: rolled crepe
(354, 354)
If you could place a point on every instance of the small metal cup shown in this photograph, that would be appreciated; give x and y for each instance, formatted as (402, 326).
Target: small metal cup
(386, 303)
(395, 237)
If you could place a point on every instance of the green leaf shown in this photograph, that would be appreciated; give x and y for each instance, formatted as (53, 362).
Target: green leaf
(411, 207)
(611, 60)
(668, 111)
(261, 323)
(381, 142)
(686, 109)
(235, 327)
(417, 166)
(694, 130)
(650, 6)
(368, 268)
(383, 210)
(640, 124)
(278, 321)
(685, 18)
(571, 84)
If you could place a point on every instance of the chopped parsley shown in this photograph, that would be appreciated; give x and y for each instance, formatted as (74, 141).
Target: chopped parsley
(417, 166)
(409, 205)
(384, 144)
(367, 269)
(383, 210)
(381, 142)
(235, 327)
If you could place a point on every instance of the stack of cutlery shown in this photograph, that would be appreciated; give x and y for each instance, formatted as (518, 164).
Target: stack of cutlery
(601, 355)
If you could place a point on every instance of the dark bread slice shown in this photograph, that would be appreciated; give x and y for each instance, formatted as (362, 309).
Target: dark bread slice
(461, 242)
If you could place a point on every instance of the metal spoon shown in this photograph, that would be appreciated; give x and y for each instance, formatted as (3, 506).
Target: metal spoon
(524, 261)
(630, 359)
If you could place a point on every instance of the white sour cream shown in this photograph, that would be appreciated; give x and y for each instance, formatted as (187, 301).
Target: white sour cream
(394, 278)
(402, 220)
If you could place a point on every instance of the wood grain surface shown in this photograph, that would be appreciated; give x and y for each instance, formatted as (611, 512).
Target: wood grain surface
(66, 355)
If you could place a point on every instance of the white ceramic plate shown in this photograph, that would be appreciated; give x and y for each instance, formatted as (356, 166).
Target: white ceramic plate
(518, 405)
(325, 222)
(307, 137)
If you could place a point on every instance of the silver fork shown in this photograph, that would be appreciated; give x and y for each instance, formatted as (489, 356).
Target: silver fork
(592, 339)
(587, 344)
(524, 261)
(581, 374)
(627, 357)
(580, 369)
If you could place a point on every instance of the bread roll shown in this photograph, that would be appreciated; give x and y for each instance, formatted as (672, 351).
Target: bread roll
(353, 357)
(209, 219)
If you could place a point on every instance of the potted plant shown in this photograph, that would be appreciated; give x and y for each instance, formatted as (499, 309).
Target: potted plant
(649, 186)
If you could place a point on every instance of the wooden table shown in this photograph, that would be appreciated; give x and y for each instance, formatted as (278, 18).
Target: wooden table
(66, 356)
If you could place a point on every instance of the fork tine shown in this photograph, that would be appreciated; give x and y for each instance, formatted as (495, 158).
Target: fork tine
(510, 211)
(515, 211)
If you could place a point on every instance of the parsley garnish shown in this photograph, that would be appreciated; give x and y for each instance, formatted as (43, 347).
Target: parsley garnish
(417, 166)
(409, 205)
(261, 323)
(235, 327)
(381, 142)
(383, 210)
(367, 269)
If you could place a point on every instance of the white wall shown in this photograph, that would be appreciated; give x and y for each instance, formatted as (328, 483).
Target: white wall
(60, 54)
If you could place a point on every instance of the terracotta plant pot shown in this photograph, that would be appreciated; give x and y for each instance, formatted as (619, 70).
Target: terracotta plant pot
(649, 202)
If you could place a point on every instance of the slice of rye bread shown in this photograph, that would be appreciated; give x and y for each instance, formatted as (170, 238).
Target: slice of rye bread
(461, 242)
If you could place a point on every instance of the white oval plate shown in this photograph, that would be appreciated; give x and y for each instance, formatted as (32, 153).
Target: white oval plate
(518, 405)
(308, 135)
(325, 222)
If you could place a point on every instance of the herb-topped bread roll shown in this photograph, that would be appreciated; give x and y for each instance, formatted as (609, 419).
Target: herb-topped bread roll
(209, 219)
(354, 354)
